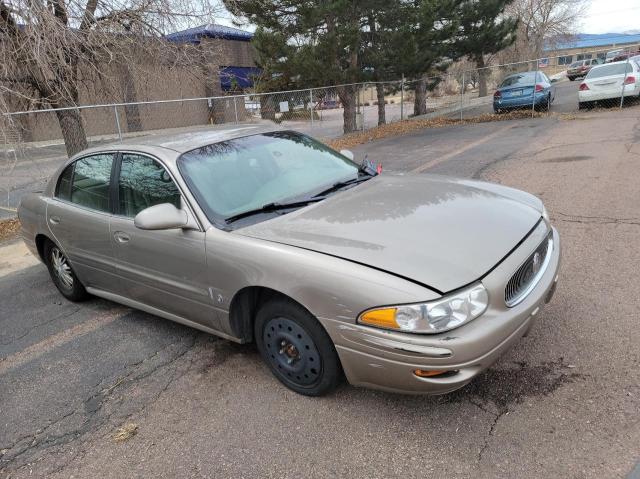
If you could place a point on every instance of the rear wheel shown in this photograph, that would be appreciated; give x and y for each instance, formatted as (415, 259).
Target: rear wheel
(296, 347)
(62, 274)
(571, 78)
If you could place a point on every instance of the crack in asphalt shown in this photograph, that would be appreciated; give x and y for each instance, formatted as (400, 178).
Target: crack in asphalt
(28, 331)
(511, 386)
(603, 220)
(30, 444)
(489, 434)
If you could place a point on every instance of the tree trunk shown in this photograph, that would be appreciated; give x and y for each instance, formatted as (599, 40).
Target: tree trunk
(380, 91)
(267, 108)
(420, 100)
(131, 112)
(75, 138)
(347, 95)
(482, 76)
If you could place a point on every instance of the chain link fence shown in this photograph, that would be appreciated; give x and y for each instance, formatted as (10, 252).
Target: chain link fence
(34, 143)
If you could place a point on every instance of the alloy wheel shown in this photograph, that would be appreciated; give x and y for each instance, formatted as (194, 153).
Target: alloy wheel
(61, 267)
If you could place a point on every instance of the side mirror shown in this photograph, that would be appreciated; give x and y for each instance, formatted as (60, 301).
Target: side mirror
(164, 216)
(348, 153)
(554, 80)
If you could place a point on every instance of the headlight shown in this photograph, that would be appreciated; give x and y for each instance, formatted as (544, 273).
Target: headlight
(433, 317)
(545, 215)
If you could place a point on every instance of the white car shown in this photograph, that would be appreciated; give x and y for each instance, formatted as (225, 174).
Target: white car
(605, 82)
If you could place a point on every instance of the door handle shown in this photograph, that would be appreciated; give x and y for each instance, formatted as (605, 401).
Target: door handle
(54, 220)
(121, 237)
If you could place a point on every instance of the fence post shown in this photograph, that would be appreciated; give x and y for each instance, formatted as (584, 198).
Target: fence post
(535, 82)
(363, 90)
(311, 104)
(235, 108)
(402, 98)
(115, 109)
(462, 94)
(626, 67)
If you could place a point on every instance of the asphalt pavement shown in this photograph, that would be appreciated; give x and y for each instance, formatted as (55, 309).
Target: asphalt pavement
(564, 402)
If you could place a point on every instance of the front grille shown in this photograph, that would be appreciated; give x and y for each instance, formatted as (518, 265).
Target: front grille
(529, 273)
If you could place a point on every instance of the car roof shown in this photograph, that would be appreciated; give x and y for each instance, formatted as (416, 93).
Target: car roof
(183, 141)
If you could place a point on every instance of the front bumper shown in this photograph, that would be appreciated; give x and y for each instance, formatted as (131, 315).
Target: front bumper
(386, 360)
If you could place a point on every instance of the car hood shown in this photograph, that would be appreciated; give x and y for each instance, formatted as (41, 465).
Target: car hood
(441, 232)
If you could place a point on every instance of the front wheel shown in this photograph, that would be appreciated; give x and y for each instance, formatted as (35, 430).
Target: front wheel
(296, 347)
(62, 274)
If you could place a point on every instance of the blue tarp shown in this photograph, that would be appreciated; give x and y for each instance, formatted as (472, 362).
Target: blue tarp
(242, 77)
(193, 35)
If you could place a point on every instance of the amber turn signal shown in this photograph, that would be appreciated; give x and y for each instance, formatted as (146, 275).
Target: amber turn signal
(425, 373)
(382, 318)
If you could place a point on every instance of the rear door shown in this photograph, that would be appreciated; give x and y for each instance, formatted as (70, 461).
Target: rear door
(165, 269)
(78, 218)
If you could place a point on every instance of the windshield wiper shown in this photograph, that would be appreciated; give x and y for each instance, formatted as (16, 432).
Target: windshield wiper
(271, 207)
(366, 169)
(342, 184)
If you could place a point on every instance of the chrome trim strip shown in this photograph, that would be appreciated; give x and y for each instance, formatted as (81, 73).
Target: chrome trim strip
(534, 282)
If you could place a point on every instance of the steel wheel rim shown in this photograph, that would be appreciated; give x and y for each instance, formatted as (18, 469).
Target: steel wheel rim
(291, 351)
(61, 268)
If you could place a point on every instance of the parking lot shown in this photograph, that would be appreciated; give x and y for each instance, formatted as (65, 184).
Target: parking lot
(33, 164)
(564, 402)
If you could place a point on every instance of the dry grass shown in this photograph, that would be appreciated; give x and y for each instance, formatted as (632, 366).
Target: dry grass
(404, 127)
(125, 432)
(9, 228)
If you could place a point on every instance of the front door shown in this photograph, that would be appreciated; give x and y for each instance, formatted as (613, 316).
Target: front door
(78, 218)
(165, 269)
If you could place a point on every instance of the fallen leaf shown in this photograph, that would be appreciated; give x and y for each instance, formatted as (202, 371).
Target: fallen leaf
(125, 432)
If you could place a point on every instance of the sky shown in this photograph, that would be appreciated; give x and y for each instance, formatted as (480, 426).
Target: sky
(612, 16)
(603, 16)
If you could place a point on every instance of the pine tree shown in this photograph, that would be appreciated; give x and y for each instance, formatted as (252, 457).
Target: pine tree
(484, 29)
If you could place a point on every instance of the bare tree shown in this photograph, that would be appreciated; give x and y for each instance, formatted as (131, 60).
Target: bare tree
(51, 49)
(543, 22)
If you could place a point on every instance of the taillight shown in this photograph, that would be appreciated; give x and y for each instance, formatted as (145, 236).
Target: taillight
(539, 88)
(497, 94)
(583, 87)
(629, 80)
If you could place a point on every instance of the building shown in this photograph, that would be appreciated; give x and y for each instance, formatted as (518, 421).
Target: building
(224, 53)
(585, 46)
(229, 55)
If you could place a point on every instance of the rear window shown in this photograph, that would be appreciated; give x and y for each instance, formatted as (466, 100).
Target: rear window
(526, 78)
(575, 64)
(609, 70)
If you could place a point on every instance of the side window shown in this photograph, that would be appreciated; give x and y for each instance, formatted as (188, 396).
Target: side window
(143, 183)
(89, 183)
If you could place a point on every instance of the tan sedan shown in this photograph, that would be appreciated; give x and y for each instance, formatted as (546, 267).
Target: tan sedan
(407, 283)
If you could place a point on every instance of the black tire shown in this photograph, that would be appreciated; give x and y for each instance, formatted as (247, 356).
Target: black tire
(571, 78)
(62, 273)
(296, 348)
(582, 105)
(497, 111)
